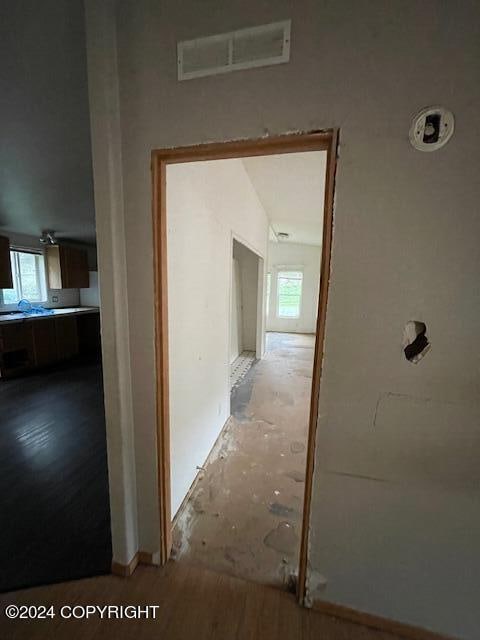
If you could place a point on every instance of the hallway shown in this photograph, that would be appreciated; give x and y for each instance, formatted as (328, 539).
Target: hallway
(243, 516)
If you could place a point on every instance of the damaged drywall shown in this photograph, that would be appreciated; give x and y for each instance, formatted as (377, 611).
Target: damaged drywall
(415, 342)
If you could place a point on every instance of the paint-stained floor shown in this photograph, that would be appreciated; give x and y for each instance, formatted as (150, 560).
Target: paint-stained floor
(243, 517)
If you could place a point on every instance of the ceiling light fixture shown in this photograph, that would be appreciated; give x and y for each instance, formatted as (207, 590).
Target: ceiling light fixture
(48, 237)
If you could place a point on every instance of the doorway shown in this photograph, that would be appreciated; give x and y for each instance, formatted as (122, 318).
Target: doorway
(206, 153)
(245, 311)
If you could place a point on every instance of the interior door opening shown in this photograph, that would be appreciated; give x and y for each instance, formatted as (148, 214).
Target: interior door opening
(245, 314)
(244, 350)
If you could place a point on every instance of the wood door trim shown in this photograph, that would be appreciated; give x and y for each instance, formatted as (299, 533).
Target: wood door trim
(289, 143)
(159, 186)
(318, 359)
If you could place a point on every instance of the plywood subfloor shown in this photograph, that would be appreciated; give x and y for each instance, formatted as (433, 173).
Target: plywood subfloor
(193, 604)
(244, 515)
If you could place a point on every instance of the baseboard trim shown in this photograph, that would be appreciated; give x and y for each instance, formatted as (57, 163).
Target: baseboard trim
(377, 622)
(329, 608)
(141, 557)
(145, 557)
(125, 570)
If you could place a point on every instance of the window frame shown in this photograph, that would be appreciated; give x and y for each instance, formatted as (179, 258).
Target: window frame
(268, 293)
(41, 274)
(288, 269)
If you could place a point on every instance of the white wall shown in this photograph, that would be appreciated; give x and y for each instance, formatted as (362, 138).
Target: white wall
(390, 536)
(236, 324)
(91, 297)
(126, 480)
(207, 202)
(283, 256)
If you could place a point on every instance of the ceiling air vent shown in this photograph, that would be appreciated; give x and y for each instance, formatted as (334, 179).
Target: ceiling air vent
(255, 47)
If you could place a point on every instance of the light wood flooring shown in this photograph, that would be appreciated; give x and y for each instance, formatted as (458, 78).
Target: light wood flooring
(194, 604)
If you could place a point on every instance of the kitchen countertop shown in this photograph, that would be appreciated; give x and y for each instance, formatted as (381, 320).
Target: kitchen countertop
(25, 317)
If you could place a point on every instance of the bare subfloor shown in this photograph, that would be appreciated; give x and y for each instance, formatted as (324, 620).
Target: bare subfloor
(244, 515)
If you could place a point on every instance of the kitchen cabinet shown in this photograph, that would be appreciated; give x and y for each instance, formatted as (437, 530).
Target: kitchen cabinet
(67, 267)
(16, 349)
(67, 337)
(37, 342)
(6, 281)
(88, 327)
(44, 342)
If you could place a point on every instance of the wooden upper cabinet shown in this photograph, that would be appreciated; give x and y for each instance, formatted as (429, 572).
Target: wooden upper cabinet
(6, 281)
(67, 268)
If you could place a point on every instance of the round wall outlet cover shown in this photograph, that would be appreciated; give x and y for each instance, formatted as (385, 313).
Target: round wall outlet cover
(432, 128)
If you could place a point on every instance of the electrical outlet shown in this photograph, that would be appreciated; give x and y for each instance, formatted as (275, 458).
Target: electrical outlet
(54, 298)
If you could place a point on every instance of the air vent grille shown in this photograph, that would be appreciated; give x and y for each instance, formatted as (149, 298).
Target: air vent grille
(198, 57)
(255, 47)
(250, 47)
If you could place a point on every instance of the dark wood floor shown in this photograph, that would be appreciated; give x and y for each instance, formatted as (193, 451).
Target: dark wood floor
(54, 504)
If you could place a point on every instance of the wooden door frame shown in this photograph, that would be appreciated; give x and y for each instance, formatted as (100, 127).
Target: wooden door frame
(289, 143)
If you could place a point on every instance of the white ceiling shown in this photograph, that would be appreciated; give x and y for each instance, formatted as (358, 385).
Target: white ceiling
(291, 188)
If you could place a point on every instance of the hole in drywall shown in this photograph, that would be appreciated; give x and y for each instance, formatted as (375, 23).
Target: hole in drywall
(415, 341)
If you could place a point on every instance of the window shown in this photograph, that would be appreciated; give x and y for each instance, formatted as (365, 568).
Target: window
(289, 294)
(28, 272)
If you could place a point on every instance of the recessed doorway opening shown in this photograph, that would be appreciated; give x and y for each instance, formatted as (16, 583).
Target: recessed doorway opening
(245, 313)
(239, 345)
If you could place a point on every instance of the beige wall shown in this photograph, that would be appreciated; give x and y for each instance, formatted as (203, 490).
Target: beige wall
(395, 514)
